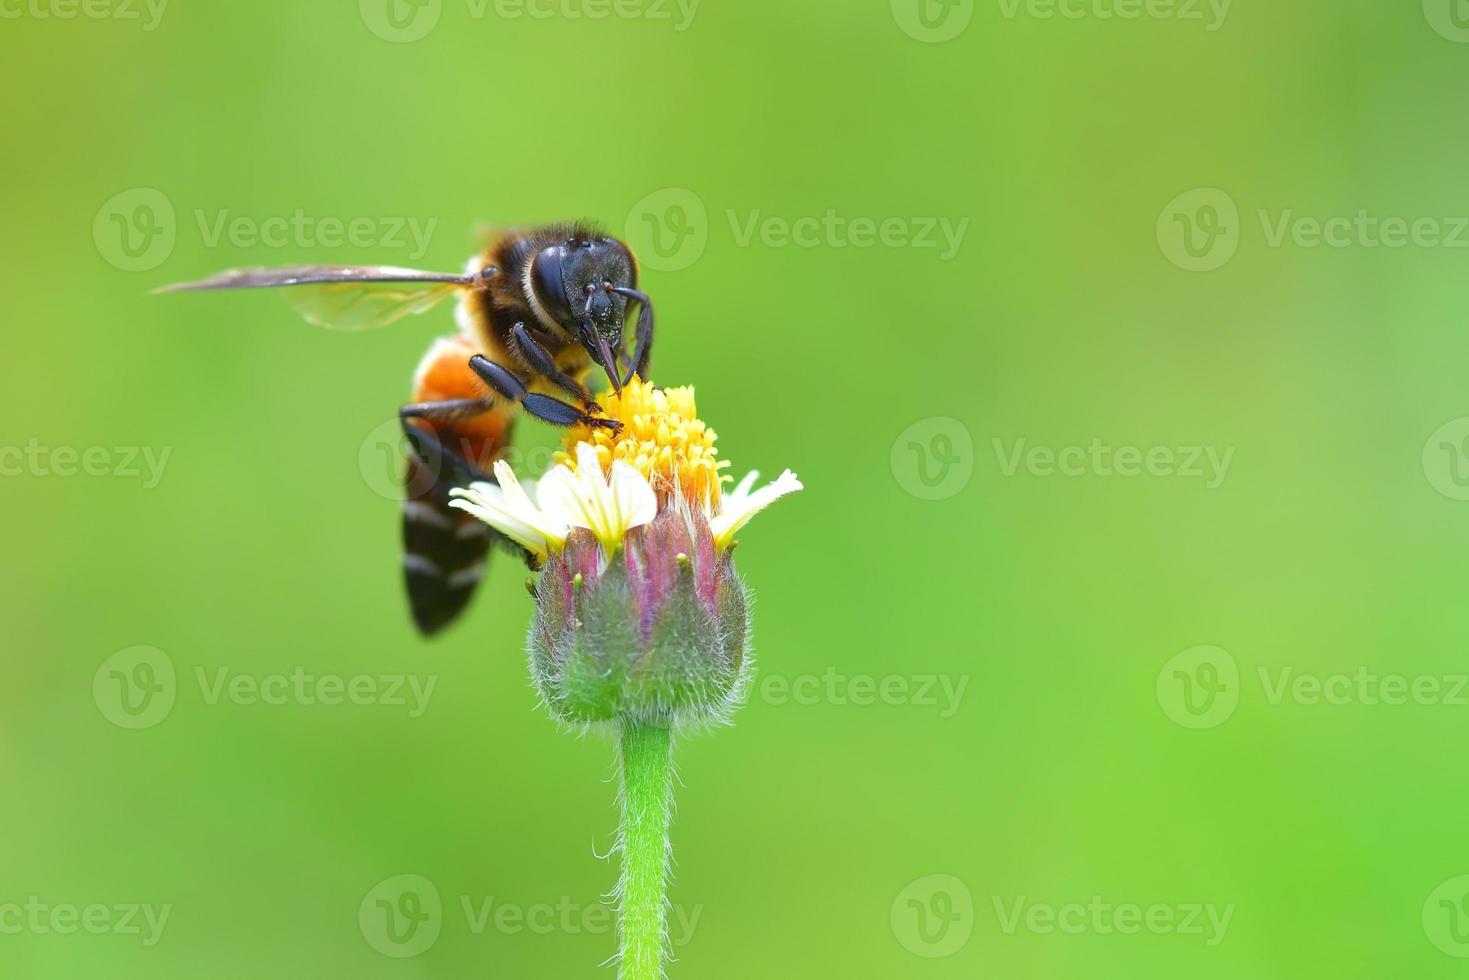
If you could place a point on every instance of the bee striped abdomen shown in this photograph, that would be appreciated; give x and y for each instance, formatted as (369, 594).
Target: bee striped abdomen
(445, 550)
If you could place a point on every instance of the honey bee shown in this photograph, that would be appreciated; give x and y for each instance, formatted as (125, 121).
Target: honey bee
(538, 312)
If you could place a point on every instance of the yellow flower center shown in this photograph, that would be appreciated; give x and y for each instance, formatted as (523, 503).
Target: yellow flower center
(662, 437)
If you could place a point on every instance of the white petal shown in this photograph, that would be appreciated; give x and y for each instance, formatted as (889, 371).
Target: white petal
(633, 496)
(607, 508)
(742, 489)
(508, 509)
(552, 495)
(740, 505)
(515, 494)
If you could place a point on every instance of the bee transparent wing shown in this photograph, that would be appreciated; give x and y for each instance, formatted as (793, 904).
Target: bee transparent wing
(343, 297)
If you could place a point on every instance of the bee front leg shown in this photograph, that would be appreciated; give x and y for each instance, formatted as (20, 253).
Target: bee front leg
(504, 381)
(539, 360)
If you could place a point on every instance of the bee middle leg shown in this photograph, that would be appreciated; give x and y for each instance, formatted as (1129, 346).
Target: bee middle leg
(504, 381)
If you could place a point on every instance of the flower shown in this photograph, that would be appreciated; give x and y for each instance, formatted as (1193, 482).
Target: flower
(611, 482)
(662, 437)
(640, 617)
(607, 506)
(740, 505)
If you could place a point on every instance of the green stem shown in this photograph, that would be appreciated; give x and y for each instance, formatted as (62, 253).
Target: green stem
(646, 792)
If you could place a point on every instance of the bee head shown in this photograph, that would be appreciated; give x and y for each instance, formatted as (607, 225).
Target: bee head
(574, 286)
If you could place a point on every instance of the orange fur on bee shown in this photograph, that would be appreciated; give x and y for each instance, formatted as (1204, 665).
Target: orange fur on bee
(443, 375)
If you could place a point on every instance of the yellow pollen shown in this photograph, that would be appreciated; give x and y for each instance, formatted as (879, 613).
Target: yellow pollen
(662, 437)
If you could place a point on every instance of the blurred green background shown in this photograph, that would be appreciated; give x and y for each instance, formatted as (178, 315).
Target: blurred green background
(981, 701)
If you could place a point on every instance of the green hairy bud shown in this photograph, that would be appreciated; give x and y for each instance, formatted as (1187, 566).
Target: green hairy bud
(656, 635)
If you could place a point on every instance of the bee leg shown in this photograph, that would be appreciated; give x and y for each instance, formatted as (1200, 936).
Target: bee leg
(430, 448)
(644, 344)
(539, 360)
(502, 380)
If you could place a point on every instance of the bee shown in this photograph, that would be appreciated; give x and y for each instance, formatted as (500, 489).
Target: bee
(539, 311)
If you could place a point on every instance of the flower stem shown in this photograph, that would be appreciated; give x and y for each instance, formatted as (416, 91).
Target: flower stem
(646, 791)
